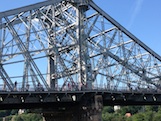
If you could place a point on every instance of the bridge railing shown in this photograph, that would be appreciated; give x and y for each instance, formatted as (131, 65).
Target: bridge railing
(83, 88)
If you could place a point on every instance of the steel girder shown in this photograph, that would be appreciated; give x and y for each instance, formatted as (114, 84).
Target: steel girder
(68, 45)
(55, 100)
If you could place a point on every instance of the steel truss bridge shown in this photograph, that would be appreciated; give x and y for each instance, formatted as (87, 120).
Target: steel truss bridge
(71, 52)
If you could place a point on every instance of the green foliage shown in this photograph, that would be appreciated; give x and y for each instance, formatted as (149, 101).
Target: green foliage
(27, 117)
(113, 117)
(129, 119)
(148, 115)
(139, 113)
(13, 112)
(17, 118)
(107, 116)
(159, 109)
(151, 108)
(138, 117)
(4, 113)
(108, 109)
(129, 109)
(157, 117)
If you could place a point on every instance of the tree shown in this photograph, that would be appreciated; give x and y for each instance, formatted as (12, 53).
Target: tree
(151, 108)
(148, 116)
(138, 117)
(108, 109)
(129, 109)
(107, 116)
(17, 118)
(13, 112)
(157, 117)
(27, 117)
(4, 113)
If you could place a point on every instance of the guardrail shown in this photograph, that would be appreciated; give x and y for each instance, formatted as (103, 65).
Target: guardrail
(82, 88)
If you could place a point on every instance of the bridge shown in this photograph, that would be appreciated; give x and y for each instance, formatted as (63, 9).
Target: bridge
(69, 58)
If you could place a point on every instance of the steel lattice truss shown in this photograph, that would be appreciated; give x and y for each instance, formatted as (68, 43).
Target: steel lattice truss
(61, 43)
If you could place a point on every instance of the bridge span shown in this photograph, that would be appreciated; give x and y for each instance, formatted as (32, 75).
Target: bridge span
(54, 99)
(69, 58)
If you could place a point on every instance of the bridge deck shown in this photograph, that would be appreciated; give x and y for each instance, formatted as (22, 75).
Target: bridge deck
(44, 99)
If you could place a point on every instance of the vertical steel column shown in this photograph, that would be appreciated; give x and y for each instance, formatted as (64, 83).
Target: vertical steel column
(1, 40)
(26, 64)
(52, 59)
(1, 50)
(84, 64)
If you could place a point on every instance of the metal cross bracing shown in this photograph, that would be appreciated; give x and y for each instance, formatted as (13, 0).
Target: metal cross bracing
(72, 45)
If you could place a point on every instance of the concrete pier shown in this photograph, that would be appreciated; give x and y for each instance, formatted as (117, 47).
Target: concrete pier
(86, 110)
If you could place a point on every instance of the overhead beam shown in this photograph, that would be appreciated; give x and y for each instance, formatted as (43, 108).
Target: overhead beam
(109, 18)
(27, 8)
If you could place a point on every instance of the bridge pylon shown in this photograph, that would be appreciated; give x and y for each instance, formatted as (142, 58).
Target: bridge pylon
(85, 110)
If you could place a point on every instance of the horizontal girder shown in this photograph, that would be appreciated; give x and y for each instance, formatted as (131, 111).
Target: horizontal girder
(32, 100)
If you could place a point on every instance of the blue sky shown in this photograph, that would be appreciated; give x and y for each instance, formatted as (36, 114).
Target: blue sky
(140, 17)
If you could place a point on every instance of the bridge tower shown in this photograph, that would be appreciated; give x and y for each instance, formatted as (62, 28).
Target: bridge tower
(83, 60)
(87, 110)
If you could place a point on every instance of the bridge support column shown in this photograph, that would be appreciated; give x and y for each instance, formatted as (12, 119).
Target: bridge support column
(90, 110)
